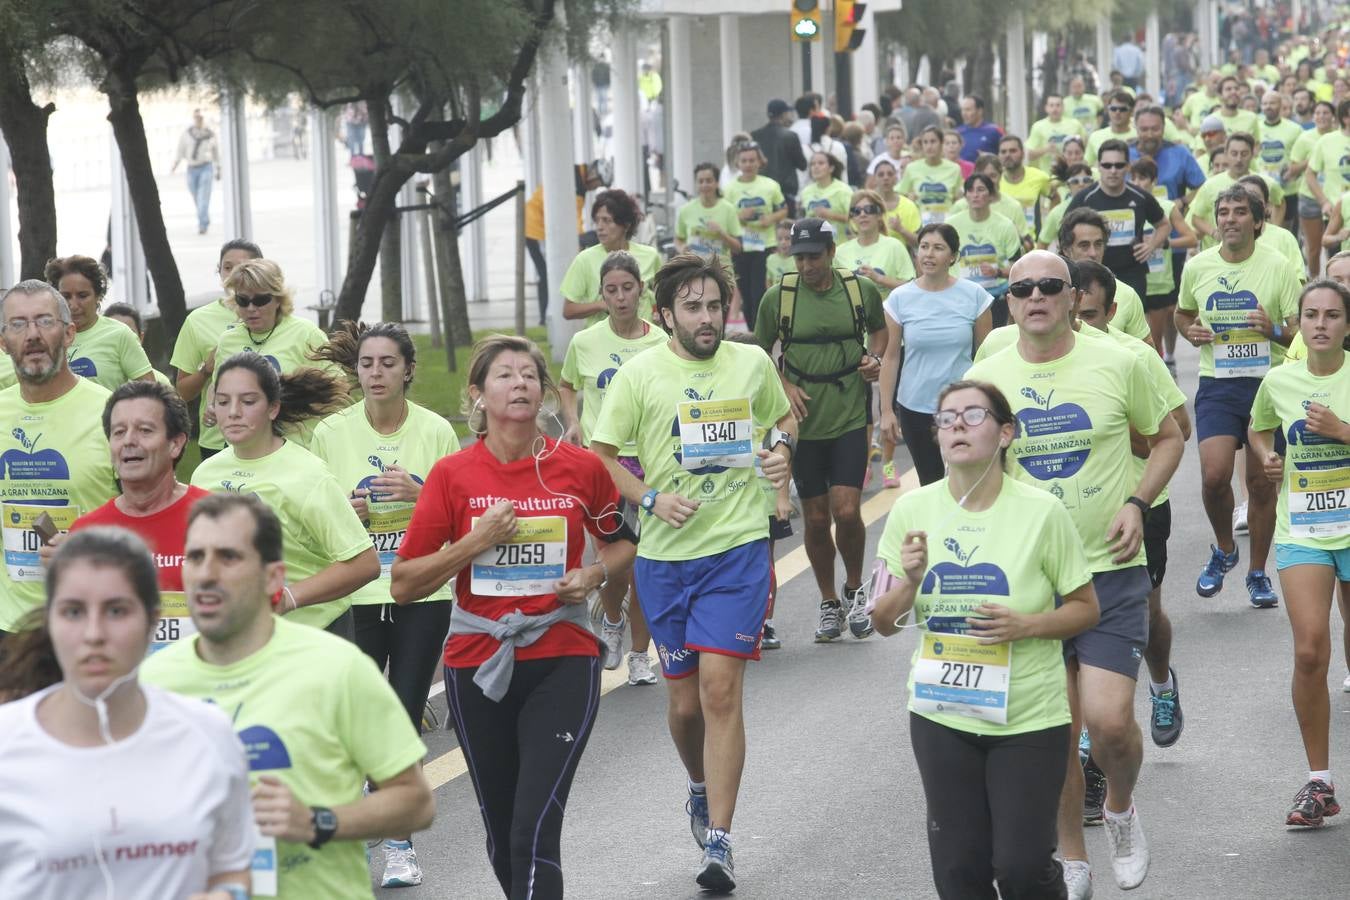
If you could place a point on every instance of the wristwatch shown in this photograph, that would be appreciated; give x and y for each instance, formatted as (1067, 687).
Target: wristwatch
(649, 500)
(777, 437)
(325, 825)
(1136, 501)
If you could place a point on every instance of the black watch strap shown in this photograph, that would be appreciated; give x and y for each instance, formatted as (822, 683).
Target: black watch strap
(1143, 507)
(325, 825)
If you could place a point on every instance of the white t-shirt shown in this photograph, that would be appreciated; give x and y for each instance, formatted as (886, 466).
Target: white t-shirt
(168, 806)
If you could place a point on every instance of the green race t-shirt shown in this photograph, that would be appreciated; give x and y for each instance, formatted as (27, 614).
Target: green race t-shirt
(1005, 205)
(581, 282)
(775, 266)
(933, 188)
(1162, 382)
(1276, 143)
(312, 710)
(691, 226)
(1302, 152)
(1101, 136)
(1202, 208)
(1160, 281)
(1282, 241)
(904, 213)
(1034, 187)
(991, 242)
(668, 404)
(56, 461)
(1018, 553)
(593, 357)
(1051, 222)
(1074, 416)
(1130, 316)
(318, 525)
(1316, 468)
(286, 347)
(834, 197)
(1199, 105)
(1045, 133)
(1240, 120)
(765, 197)
(886, 254)
(356, 454)
(1086, 109)
(199, 335)
(1222, 293)
(1330, 159)
(834, 408)
(108, 354)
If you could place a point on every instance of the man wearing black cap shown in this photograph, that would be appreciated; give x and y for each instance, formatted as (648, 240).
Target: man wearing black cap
(832, 333)
(783, 151)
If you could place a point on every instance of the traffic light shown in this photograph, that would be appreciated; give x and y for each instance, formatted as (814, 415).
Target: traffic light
(806, 20)
(847, 35)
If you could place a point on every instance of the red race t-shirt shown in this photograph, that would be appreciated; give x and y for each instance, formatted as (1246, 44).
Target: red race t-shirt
(549, 540)
(164, 533)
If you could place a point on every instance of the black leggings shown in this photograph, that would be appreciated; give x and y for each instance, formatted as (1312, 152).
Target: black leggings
(917, 430)
(522, 754)
(540, 266)
(750, 277)
(408, 641)
(992, 805)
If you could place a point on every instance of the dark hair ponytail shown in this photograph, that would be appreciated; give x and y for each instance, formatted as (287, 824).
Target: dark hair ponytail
(303, 394)
(343, 347)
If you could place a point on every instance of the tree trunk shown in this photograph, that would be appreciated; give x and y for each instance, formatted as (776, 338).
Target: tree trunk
(391, 270)
(454, 299)
(25, 126)
(365, 248)
(980, 72)
(124, 112)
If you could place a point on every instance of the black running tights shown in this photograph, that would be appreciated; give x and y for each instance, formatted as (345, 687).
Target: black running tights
(408, 641)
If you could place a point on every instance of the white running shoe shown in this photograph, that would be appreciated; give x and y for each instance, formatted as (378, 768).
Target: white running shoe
(400, 865)
(640, 669)
(1240, 518)
(1129, 850)
(1078, 879)
(612, 637)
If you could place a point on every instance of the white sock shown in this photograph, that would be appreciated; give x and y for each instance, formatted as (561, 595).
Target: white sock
(1159, 689)
(698, 787)
(1323, 776)
(1118, 816)
(613, 624)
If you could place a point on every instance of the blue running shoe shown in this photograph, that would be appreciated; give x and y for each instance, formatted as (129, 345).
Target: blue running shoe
(697, 807)
(1261, 592)
(1167, 720)
(1084, 747)
(1210, 581)
(716, 874)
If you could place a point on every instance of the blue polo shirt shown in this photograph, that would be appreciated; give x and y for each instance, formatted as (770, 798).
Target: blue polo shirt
(1177, 169)
(977, 139)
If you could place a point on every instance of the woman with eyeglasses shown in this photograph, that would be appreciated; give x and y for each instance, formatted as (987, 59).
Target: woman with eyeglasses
(1077, 178)
(827, 195)
(256, 290)
(103, 351)
(901, 213)
(939, 319)
(995, 576)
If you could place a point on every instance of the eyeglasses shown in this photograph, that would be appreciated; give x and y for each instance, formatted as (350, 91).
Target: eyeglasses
(870, 209)
(244, 302)
(1049, 287)
(971, 415)
(1117, 109)
(1081, 180)
(1107, 165)
(44, 323)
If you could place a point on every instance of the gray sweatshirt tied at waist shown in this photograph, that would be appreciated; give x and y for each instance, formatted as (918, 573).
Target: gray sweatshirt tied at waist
(515, 629)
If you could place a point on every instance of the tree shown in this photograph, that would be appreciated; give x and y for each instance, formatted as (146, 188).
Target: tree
(451, 62)
(25, 127)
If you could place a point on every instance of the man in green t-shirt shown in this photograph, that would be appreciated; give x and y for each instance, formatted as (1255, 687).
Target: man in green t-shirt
(317, 716)
(1238, 302)
(1077, 403)
(831, 353)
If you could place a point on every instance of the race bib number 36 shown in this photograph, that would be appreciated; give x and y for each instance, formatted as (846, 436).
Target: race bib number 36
(174, 621)
(1241, 353)
(526, 566)
(1319, 503)
(958, 675)
(22, 540)
(716, 433)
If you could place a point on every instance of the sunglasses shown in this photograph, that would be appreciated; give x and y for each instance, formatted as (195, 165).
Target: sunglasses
(1117, 109)
(244, 302)
(1049, 287)
(1107, 165)
(971, 415)
(1080, 181)
(870, 209)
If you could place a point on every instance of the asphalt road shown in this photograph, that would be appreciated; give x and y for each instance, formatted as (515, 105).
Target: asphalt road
(831, 805)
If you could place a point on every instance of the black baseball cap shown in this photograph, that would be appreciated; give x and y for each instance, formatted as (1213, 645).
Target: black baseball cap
(777, 108)
(811, 236)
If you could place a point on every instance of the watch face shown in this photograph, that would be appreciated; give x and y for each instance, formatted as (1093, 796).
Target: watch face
(325, 819)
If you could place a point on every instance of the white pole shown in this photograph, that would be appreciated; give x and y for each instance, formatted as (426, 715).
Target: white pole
(1104, 48)
(475, 235)
(560, 204)
(583, 133)
(680, 94)
(1015, 66)
(234, 160)
(1153, 56)
(729, 45)
(327, 227)
(627, 143)
(7, 270)
(865, 70)
(128, 257)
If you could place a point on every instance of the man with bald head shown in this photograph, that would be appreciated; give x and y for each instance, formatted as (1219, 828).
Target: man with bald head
(1077, 401)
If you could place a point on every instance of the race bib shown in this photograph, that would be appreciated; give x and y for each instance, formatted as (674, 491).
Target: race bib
(956, 674)
(528, 565)
(22, 541)
(387, 528)
(1120, 225)
(264, 867)
(1241, 353)
(1157, 261)
(1319, 503)
(716, 433)
(971, 263)
(752, 241)
(174, 621)
(933, 214)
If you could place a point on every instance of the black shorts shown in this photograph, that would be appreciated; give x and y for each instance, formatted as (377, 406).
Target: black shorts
(1157, 529)
(819, 465)
(1154, 302)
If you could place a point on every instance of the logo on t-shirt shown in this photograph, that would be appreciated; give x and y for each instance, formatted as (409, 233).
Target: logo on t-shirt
(84, 367)
(604, 378)
(1054, 440)
(368, 483)
(31, 463)
(264, 748)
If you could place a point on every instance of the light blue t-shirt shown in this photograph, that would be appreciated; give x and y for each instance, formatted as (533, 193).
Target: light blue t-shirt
(939, 328)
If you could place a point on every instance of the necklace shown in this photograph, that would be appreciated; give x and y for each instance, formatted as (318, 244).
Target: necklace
(403, 418)
(257, 343)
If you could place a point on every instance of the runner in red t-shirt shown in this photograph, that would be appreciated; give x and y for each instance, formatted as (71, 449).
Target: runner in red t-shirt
(507, 518)
(147, 427)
